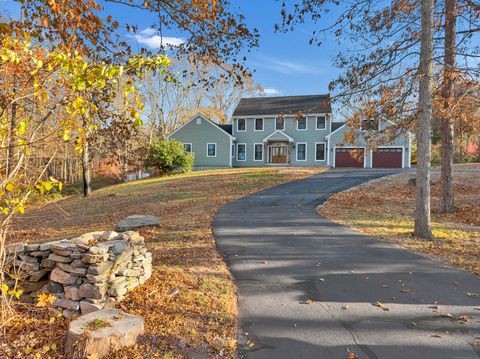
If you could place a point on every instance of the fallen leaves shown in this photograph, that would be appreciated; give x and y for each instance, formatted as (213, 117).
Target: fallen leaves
(351, 355)
(381, 305)
(472, 295)
(385, 209)
(186, 263)
(45, 300)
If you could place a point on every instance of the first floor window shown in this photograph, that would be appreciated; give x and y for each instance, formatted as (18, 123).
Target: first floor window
(320, 152)
(279, 123)
(301, 151)
(241, 124)
(241, 152)
(321, 123)
(187, 147)
(258, 152)
(302, 123)
(233, 150)
(211, 149)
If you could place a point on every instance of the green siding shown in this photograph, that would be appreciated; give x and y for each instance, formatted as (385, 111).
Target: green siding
(201, 134)
(309, 136)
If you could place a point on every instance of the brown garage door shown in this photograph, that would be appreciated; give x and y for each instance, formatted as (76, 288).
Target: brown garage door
(387, 158)
(344, 158)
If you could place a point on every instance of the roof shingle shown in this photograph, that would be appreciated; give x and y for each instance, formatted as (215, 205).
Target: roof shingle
(287, 105)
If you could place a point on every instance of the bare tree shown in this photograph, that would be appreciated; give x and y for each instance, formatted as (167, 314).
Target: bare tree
(424, 124)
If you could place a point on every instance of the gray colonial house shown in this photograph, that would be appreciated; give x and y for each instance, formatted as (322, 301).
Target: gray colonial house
(288, 130)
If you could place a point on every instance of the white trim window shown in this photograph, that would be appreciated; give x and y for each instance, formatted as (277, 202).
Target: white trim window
(302, 123)
(241, 152)
(211, 150)
(258, 151)
(321, 123)
(301, 150)
(320, 151)
(258, 124)
(233, 150)
(187, 147)
(241, 124)
(280, 123)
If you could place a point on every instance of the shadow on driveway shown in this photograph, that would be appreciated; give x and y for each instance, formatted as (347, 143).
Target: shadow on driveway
(306, 285)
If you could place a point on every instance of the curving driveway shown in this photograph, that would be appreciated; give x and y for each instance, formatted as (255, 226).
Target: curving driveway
(283, 255)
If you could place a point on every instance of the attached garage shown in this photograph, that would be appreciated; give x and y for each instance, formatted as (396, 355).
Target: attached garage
(345, 157)
(387, 157)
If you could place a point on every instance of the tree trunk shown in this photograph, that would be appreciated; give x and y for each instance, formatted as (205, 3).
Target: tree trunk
(424, 125)
(87, 189)
(446, 201)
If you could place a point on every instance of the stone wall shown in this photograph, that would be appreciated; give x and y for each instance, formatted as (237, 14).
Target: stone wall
(85, 273)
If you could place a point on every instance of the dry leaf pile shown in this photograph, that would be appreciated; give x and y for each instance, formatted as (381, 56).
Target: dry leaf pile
(189, 304)
(385, 209)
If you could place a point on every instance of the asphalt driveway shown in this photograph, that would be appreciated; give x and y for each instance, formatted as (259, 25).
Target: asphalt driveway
(306, 285)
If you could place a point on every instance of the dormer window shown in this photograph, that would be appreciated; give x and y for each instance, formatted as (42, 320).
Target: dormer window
(302, 123)
(241, 124)
(369, 125)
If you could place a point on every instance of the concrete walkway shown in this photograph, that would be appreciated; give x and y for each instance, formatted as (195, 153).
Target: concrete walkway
(283, 255)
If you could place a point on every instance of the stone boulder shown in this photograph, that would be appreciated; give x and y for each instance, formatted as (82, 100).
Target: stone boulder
(137, 221)
(102, 332)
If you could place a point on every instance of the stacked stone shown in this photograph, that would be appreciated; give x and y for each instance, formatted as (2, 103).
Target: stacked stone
(86, 273)
(30, 264)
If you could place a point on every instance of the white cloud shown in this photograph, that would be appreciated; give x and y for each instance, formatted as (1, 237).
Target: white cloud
(288, 67)
(270, 91)
(148, 32)
(150, 39)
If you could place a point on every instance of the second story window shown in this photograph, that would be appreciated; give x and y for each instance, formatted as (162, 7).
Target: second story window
(321, 123)
(259, 124)
(241, 124)
(369, 125)
(280, 123)
(302, 123)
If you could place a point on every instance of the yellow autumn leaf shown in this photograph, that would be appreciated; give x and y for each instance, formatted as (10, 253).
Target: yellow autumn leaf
(44, 300)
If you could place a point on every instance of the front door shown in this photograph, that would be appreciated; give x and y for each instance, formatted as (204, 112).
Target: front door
(279, 154)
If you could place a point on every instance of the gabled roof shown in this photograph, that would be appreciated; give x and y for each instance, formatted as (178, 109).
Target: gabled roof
(287, 105)
(226, 128)
(219, 127)
(337, 125)
(278, 135)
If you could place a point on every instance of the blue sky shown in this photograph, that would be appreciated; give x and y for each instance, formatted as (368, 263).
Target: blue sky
(284, 64)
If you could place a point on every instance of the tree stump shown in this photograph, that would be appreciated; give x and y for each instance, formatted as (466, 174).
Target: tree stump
(102, 332)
